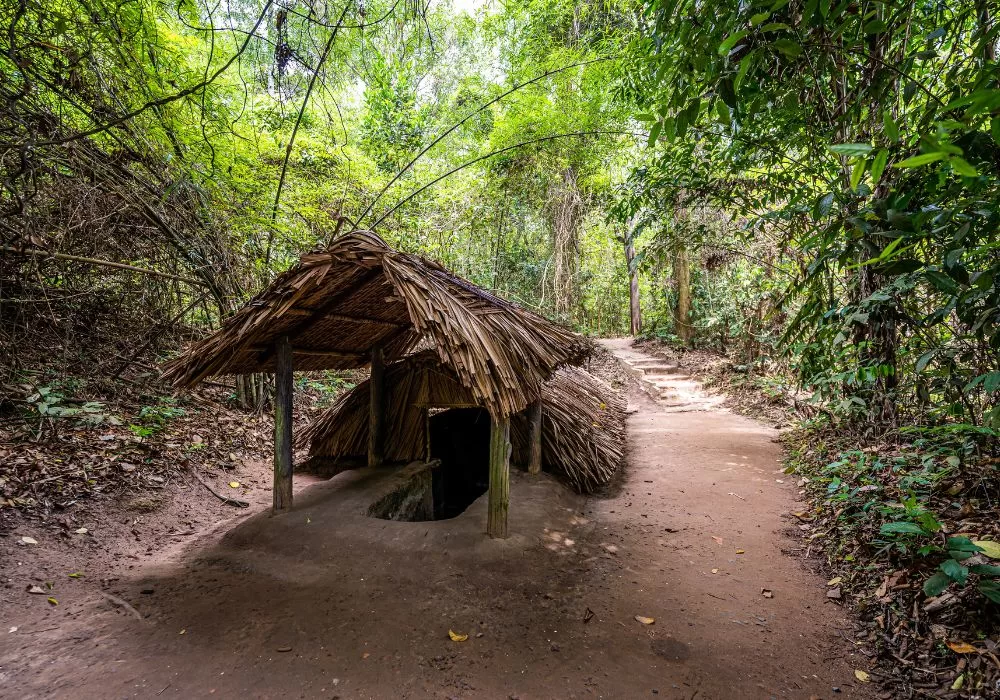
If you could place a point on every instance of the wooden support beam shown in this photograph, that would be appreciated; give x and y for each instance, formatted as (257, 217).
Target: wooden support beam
(327, 306)
(282, 425)
(535, 437)
(376, 414)
(499, 493)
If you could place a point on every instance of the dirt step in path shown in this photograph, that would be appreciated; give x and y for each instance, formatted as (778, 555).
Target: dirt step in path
(663, 381)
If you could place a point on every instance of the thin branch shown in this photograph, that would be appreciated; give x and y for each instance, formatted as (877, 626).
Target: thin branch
(466, 118)
(156, 103)
(295, 130)
(103, 263)
(495, 153)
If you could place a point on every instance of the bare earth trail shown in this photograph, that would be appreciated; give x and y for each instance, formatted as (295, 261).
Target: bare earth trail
(324, 602)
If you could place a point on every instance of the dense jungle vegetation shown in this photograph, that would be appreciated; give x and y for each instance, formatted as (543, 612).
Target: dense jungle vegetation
(811, 187)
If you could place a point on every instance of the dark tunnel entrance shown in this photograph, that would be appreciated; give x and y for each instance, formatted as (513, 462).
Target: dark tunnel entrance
(460, 438)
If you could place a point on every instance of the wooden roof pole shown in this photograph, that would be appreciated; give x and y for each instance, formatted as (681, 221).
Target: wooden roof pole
(499, 493)
(376, 415)
(282, 425)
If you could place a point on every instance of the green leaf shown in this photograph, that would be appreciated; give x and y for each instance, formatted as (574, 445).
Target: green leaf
(901, 527)
(823, 205)
(992, 382)
(962, 167)
(878, 164)
(788, 47)
(985, 569)
(858, 172)
(925, 360)
(941, 281)
(654, 133)
(962, 544)
(936, 584)
(727, 45)
(851, 149)
(758, 18)
(955, 571)
(728, 93)
(917, 161)
(890, 127)
(723, 111)
(990, 589)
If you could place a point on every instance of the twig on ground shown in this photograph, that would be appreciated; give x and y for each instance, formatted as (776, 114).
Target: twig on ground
(225, 499)
(122, 604)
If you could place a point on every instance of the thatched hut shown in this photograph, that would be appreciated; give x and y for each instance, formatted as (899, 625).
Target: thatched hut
(360, 303)
(430, 415)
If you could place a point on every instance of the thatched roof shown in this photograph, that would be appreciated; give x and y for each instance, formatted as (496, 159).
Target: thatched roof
(358, 294)
(583, 421)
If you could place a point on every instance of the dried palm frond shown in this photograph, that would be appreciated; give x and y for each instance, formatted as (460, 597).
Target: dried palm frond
(358, 294)
(583, 421)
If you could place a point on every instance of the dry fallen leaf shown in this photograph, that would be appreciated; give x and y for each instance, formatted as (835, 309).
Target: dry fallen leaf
(36, 590)
(962, 647)
(456, 637)
(81, 531)
(715, 571)
(862, 676)
(234, 484)
(717, 539)
(767, 592)
(28, 540)
(741, 551)
(645, 620)
(989, 547)
(835, 581)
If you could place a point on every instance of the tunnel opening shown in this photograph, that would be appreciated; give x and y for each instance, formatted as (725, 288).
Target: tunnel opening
(456, 474)
(460, 439)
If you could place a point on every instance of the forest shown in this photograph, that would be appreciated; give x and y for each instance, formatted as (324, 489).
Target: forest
(804, 192)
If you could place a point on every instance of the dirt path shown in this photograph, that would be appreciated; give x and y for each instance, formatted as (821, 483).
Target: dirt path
(325, 603)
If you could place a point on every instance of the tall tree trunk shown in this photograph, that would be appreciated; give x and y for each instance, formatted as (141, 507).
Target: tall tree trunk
(682, 281)
(565, 209)
(635, 311)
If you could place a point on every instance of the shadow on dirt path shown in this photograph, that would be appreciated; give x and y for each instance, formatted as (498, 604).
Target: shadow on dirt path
(324, 602)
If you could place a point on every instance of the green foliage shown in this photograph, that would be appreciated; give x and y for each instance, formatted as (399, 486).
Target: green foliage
(49, 403)
(153, 418)
(861, 143)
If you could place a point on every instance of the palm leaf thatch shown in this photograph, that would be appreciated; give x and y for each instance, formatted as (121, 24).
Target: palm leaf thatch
(340, 303)
(583, 421)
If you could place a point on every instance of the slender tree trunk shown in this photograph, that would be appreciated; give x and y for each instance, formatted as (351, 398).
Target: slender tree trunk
(566, 213)
(682, 280)
(635, 310)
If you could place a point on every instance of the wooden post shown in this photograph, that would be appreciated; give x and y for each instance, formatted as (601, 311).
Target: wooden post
(535, 437)
(376, 414)
(426, 416)
(283, 425)
(499, 494)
